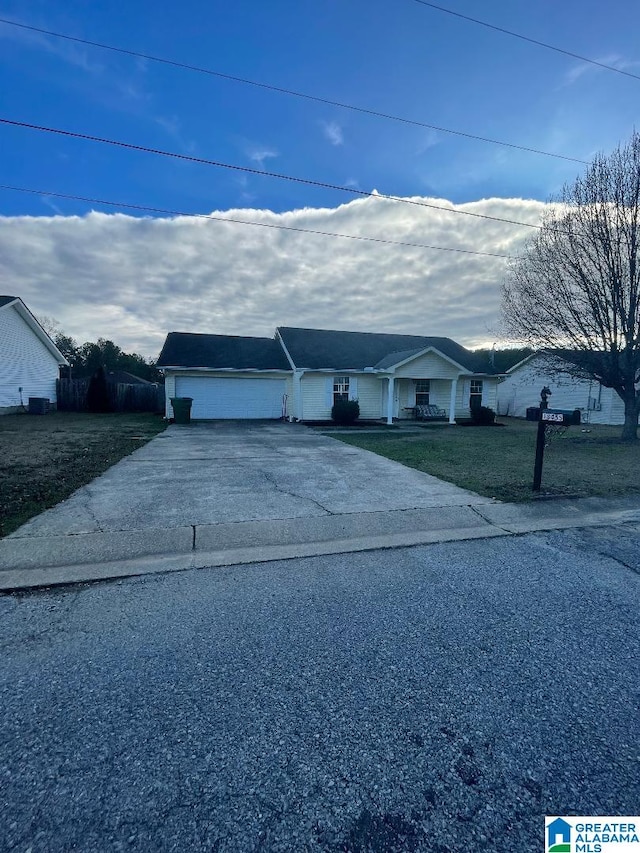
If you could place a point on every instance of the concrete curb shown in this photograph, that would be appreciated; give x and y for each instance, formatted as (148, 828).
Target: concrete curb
(17, 579)
(32, 562)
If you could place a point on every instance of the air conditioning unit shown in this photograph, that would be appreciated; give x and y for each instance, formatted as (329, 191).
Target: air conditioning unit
(39, 405)
(594, 405)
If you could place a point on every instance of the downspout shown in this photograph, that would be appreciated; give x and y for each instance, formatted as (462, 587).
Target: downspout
(297, 377)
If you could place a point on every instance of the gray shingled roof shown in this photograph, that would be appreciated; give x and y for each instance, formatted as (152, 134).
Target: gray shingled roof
(123, 377)
(186, 349)
(397, 357)
(598, 363)
(318, 348)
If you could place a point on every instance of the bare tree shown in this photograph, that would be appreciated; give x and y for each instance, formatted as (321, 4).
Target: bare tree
(577, 285)
(49, 324)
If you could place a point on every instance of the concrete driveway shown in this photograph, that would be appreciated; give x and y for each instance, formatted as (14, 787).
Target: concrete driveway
(225, 494)
(235, 492)
(242, 471)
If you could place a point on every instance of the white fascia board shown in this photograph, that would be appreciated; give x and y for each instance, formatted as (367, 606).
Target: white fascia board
(37, 329)
(286, 351)
(525, 361)
(182, 369)
(336, 370)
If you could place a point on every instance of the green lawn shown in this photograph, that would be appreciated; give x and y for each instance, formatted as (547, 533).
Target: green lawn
(46, 458)
(498, 461)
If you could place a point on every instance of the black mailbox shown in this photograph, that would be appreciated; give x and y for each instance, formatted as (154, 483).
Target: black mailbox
(562, 417)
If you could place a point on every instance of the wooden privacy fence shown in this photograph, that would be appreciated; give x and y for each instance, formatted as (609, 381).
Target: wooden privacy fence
(72, 396)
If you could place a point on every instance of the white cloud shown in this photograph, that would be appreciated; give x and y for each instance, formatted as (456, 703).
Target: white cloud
(173, 128)
(429, 140)
(260, 154)
(333, 132)
(135, 279)
(74, 54)
(582, 68)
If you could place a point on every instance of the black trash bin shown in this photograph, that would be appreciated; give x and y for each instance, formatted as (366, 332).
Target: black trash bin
(182, 409)
(533, 413)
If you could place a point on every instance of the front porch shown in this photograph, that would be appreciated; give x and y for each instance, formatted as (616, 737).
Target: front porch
(405, 394)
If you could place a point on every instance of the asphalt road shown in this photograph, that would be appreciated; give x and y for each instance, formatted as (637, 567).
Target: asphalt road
(438, 698)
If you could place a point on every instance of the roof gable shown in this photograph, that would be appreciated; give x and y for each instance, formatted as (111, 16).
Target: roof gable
(553, 359)
(224, 352)
(399, 359)
(320, 349)
(14, 302)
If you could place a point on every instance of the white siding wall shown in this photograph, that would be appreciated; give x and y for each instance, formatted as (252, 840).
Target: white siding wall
(440, 394)
(317, 394)
(406, 396)
(521, 389)
(170, 382)
(370, 390)
(169, 392)
(313, 387)
(25, 362)
(489, 395)
(612, 411)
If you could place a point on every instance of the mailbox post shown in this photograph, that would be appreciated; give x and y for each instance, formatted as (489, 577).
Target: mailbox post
(537, 467)
(549, 418)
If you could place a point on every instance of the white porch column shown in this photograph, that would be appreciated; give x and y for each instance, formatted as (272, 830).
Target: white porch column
(452, 403)
(297, 393)
(390, 400)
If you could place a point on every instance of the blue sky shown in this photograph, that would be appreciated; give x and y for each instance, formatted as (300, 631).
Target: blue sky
(394, 56)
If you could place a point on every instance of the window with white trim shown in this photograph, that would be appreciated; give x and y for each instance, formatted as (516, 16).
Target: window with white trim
(423, 389)
(340, 388)
(475, 395)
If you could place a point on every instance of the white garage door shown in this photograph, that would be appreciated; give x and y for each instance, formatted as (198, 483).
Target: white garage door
(232, 397)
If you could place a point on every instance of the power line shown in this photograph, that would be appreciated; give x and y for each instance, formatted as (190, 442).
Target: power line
(172, 212)
(528, 39)
(283, 91)
(247, 169)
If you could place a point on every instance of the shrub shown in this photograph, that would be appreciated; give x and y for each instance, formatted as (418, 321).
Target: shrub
(345, 411)
(482, 415)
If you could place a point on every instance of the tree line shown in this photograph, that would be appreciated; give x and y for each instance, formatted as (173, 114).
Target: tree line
(85, 359)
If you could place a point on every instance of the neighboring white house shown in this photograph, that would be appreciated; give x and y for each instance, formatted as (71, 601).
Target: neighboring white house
(300, 373)
(29, 359)
(524, 381)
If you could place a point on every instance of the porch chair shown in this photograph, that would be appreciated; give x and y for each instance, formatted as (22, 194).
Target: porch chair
(429, 413)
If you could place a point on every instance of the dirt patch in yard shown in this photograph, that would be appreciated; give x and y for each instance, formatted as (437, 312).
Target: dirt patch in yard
(46, 458)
